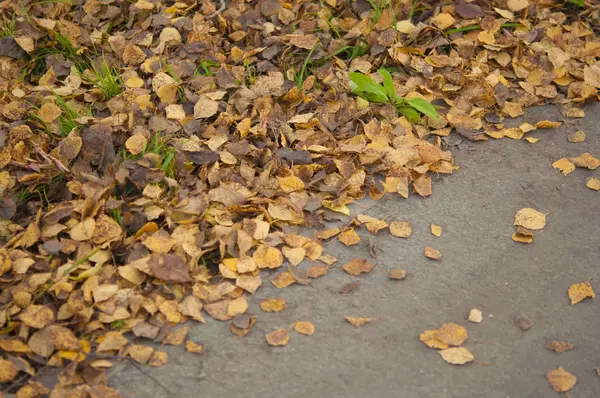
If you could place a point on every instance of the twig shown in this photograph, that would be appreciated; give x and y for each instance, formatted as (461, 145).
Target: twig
(220, 10)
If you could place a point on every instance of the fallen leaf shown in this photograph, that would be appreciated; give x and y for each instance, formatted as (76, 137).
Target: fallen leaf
(267, 257)
(452, 334)
(306, 328)
(530, 218)
(282, 280)
(279, 337)
(547, 124)
(436, 230)
(432, 253)
(357, 266)
(170, 268)
(158, 358)
(290, 184)
(140, 353)
(358, 321)
(317, 271)
(560, 346)
(429, 337)
(475, 315)
(522, 235)
(176, 337)
(84, 230)
(111, 341)
(523, 322)
(457, 355)
(401, 229)
(237, 306)
(577, 136)
(593, 183)
(349, 287)
(564, 165)
(397, 274)
(37, 316)
(561, 380)
(273, 304)
(8, 371)
(443, 21)
(349, 237)
(586, 160)
(580, 291)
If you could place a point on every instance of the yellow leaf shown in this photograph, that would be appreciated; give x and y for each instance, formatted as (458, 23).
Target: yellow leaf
(443, 21)
(397, 274)
(580, 291)
(429, 337)
(452, 334)
(140, 353)
(561, 380)
(84, 230)
(196, 348)
(531, 140)
(237, 306)
(294, 255)
(517, 5)
(306, 328)
(278, 337)
(358, 321)
(578, 136)
(357, 266)
(593, 183)
(586, 160)
(290, 184)
(349, 237)
(547, 124)
(267, 257)
(432, 253)
(8, 371)
(436, 230)
(530, 218)
(37, 316)
(457, 355)
(158, 358)
(475, 315)
(282, 280)
(401, 229)
(176, 337)
(273, 304)
(339, 208)
(564, 165)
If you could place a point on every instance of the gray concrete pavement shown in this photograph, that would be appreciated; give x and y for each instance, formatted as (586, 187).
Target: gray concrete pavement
(481, 267)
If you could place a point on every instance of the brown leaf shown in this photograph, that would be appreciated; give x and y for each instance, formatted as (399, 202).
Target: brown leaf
(279, 337)
(169, 268)
(523, 322)
(561, 380)
(349, 287)
(358, 321)
(316, 271)
(357, 266)
(560, 346)
(580, 291)
(282, 280)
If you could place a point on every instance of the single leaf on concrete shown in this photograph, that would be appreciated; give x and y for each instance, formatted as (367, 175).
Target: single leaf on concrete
(306, 328)
(349, 237)
(432, 253)
(530, 218)
(401, 229)
(397, 274)
(475, 315)
(429, 337)
(564, 165)
(560, 346)
(273, 304)
(358, 321)
(580, 291)
(436, 230)
(457, 355)
(561, 380)
(357, 266)
(279, 337)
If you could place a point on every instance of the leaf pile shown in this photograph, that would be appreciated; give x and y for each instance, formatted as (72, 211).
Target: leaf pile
(155, 157)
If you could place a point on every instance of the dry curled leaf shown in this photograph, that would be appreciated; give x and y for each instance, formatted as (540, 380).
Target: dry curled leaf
(561, 380)
(279, 337)
(580, 291)
(358, 321)
(559, 346)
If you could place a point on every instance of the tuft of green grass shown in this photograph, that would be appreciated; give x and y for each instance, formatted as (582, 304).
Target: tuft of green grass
(7, 27)
(60, 45)
(107, 79)
(366, 88)
(469, 28)
(180, 90)
(67, 120)
(378, 7)
(160, 146)
(204, 68)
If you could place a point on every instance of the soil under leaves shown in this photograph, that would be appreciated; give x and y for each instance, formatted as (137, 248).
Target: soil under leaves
(158, 159)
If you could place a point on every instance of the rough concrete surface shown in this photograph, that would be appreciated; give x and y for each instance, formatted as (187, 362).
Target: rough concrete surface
(480, 267)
